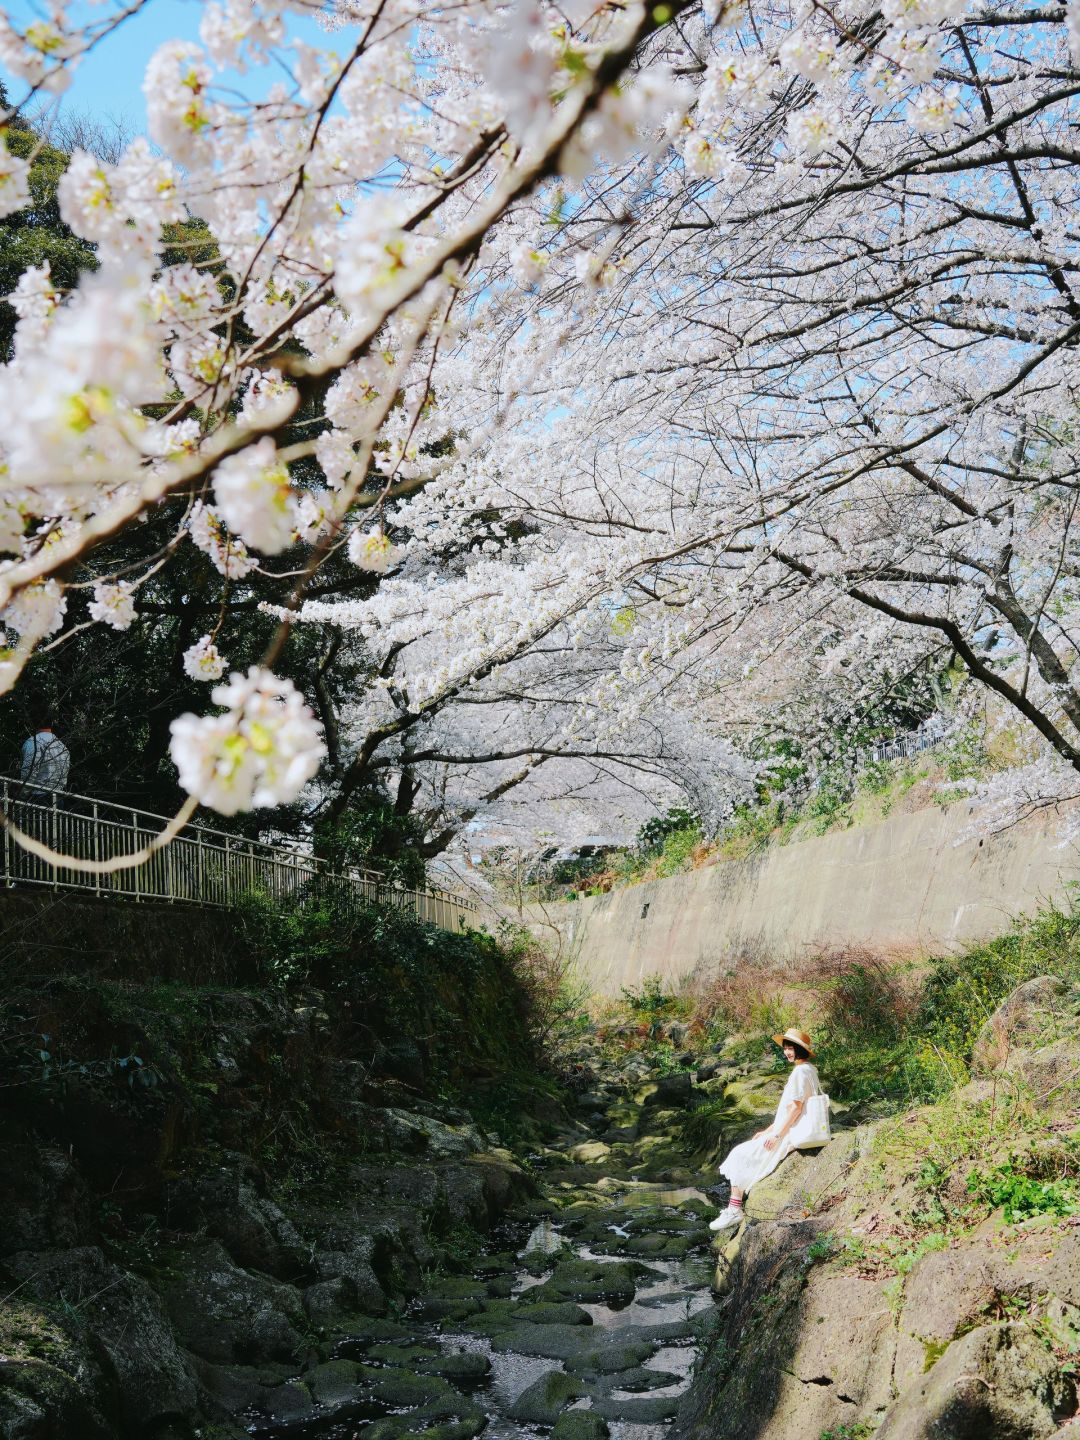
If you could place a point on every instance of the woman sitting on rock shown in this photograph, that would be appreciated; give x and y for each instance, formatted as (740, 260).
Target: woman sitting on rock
(754, 1159)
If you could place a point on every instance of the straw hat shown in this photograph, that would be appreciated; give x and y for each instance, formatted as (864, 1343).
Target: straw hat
(797, 1037)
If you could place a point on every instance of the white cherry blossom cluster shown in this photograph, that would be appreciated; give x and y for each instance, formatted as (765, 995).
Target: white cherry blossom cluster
(37, 610)
(229, 555)
(121, 206)
(203, 660)
(14, 181)
(113, 605)
(255, 497)
(261, 752)
(372, 550)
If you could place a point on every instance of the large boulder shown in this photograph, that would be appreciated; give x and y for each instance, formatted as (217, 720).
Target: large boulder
(580, 1425)
(667, 1091)
(608, 1282)
(43, 1199)
(264, 1390)
(225, 1314)
(225, 1205)
(39, 1401)
(947, 1292)
(1020, 1022)
(545, 1399)
(125, 1324)
(998, 1381)
(354, 1265)
(424, 1135)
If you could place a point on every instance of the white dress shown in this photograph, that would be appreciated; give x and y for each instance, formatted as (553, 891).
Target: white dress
(750, 1162)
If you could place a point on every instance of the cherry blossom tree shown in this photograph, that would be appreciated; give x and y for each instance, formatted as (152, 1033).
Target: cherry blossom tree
(669, 368)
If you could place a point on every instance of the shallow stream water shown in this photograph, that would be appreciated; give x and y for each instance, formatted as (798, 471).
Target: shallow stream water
(660, 1323)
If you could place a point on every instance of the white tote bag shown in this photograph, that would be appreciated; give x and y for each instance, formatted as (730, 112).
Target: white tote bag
(813, 1128)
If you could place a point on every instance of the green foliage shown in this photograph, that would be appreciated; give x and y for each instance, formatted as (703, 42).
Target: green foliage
(456, 998)
(823, 1248)
(372, 834)
(37, 233)
(829, 803)
(677, 850)
(1011, 1187)
(858, 1430)
(651, 1004)
(967, 757)
(665, 1058)
(877, 777)
(578, 868)
(653, 834)
(887, 1040)
(906, 1259)
(752, 826)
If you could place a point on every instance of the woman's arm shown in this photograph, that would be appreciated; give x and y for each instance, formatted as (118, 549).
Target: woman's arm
(795, 1109)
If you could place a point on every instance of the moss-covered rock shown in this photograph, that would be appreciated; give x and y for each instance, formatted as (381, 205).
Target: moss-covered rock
(590, 1280)
(647, 1410)
(458, 1366)
(224, 1313)
(580, 1425)
(401, 1389)
(404, 1355)
(550, 1313)
(334, 1383)
(614, 1356)
(545, 1399)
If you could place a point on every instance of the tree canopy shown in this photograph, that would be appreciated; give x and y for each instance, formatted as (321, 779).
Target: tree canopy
(545, 407)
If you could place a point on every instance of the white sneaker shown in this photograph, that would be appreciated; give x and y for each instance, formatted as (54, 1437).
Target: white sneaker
(728, 1219)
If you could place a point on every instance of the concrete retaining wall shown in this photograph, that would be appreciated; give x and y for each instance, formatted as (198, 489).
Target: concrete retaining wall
(903, 884)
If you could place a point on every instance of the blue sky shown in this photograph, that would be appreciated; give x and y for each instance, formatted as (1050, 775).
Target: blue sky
(109, 80)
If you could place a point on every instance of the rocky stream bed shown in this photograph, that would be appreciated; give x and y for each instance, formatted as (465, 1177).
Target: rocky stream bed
(582, 1316)
(445, 1286)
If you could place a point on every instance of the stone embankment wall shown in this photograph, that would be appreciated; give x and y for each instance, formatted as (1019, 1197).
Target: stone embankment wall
(910, 883)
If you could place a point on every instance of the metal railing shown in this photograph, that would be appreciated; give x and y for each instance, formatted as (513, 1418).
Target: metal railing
(906, 746)
(201, 866)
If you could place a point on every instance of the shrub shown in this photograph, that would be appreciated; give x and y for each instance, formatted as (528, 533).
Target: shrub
(876, 777)
(882, 1037)
(1013, 1188)
(651, 1004)
(865, 1006)
(462, 999)
(652, 835)
(828, 804)
(678, 849)
(749, 998)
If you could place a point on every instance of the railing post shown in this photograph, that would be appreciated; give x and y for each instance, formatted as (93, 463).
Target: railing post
(52, 838)
(227, 869)
(168, 870)
(135, 872)
(7, 837)
(96, 846)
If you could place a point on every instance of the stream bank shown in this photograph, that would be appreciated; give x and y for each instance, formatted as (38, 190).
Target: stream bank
(301, 1210)
(275, 1237)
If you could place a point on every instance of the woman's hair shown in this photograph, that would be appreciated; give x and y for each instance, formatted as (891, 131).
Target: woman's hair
(800, 1052)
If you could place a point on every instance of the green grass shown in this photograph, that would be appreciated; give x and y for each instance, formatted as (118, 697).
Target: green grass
(1021, 1195)
(858, 1430)
(880, 1038)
